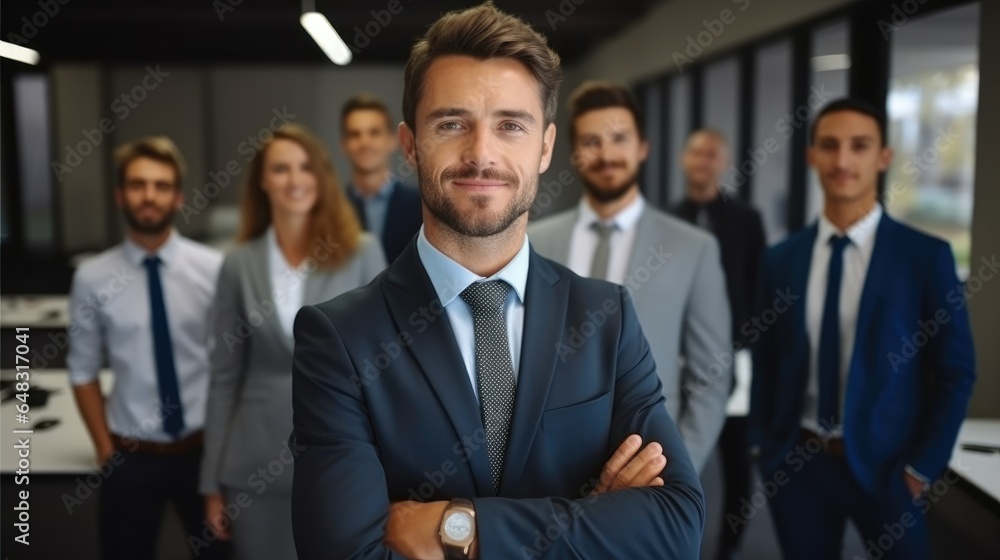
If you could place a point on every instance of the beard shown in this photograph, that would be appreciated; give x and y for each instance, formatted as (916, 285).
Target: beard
(148, 227)
(612, 193)
(475, 224)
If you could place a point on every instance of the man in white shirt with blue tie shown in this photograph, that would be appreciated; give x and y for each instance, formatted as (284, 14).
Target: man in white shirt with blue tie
(145, 303)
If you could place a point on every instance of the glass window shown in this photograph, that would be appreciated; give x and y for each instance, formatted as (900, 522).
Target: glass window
(721, 109)
(652, 100)
(32, 122)
(680, 126)
(830, 66)
(932, 106)
(769, 160)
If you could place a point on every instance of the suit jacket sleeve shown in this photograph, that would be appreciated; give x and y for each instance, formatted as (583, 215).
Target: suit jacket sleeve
(708, 367)
(951, 367)
(340, 502)
(227, 361)
(637, 523)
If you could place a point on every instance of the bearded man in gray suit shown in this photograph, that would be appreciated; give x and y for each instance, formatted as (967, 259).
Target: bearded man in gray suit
(672, 271)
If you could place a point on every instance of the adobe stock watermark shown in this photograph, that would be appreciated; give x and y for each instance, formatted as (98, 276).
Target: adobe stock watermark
(220, 180)
(565, 9)
(260, 480)
(899, 17)
(720, 369)
(737, 175)
(244, 328)
(696, 44)
(31, 25)
(122, 107)
(86, 486)
(364, 34)
(918, 164)
(927, 329)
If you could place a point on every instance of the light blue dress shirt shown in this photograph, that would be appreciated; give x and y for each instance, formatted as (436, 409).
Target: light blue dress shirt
(109, 312)
(376, 207)
(449, 280)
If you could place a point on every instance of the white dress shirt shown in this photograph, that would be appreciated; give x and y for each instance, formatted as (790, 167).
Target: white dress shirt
(287, 280)
(449, 280)
(857, 256)
(110, 312)
(584, 239)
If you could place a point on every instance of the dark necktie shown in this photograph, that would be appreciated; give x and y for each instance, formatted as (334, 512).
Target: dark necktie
(602, 253)
(829, 338)
(494, 368)
(166, 374)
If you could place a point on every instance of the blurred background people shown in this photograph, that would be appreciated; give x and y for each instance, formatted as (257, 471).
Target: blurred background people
(855, 423)
(740, 232)
(671, 269)
(301, 243)
(387, 207)
(145, 304)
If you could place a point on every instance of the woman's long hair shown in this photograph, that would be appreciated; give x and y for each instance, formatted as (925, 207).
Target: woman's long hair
(333, 224)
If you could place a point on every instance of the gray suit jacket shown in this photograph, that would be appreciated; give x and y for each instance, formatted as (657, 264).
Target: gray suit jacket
(249, 415)
(679, 292)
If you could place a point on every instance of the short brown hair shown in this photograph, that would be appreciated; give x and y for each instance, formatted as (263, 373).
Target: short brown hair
(332, 221)
(158, 148)
(364, 102)
(591, 96)
(482, 32)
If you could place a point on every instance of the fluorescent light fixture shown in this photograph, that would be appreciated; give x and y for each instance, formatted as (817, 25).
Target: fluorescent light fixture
(326, 37)
(830, 62)
(18, 53)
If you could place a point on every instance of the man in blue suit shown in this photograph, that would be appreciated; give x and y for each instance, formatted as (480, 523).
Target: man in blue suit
(863, 363)
(477, 400)
(386, 206)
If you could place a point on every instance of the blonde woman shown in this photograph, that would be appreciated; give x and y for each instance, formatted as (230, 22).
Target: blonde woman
(300, 243)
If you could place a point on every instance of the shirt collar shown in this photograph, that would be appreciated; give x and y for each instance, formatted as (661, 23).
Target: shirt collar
(136, 254)
(861, 233)
(450, 278)
(275, 254)
(625, 219)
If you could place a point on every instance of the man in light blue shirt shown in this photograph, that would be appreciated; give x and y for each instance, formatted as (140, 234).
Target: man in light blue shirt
(145, 304)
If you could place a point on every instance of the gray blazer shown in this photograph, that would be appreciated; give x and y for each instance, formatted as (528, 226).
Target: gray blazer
(249, 415)
(679, 292)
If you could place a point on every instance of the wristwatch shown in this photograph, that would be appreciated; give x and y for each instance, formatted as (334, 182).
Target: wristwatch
(458, 529)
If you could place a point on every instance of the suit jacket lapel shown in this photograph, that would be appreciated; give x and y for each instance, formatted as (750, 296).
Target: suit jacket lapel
(545, 303)
(644, 234)
(407, 290)
(263, 290)
(877, 278)
(799, 284)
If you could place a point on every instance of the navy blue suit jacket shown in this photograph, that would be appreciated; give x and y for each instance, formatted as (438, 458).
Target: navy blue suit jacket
(403, 218)
(906, 394)
(384, 412)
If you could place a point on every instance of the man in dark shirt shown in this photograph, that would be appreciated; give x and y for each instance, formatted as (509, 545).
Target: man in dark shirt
(740, 233)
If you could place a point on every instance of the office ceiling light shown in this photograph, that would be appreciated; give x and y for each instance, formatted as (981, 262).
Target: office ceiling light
(326, 37)
(19, 53)
(830, 62)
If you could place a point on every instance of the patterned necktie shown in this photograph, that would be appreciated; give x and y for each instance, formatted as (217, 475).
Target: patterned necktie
(166, 374)
(599, 266)
(494, 368)
(829, 338)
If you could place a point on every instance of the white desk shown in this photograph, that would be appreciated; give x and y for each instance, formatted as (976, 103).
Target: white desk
(980, 469)
(34, 311)
(62, 449)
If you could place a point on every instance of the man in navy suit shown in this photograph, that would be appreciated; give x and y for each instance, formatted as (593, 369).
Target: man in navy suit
(386, 206)
(477, 400)
(864, 364)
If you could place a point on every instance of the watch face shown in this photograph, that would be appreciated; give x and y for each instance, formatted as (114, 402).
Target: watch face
(458, 526)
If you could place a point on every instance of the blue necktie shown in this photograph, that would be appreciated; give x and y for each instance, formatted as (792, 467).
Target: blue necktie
(829, 338)
(166, 374)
